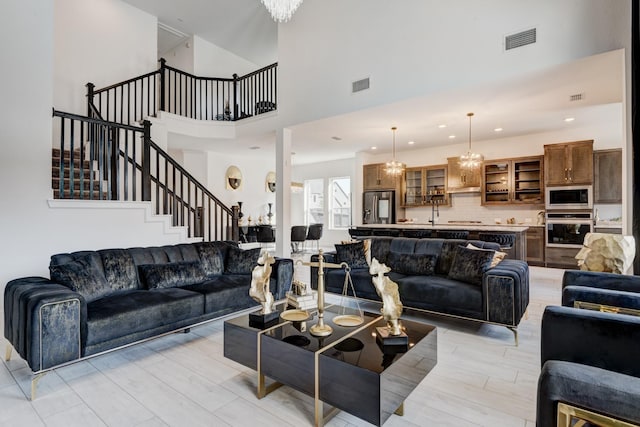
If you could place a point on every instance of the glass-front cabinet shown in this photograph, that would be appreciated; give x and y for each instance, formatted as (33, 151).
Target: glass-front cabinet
(424, 186)
(510, 181)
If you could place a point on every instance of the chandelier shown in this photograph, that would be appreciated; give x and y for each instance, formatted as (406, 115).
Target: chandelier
(281, 10)
(470, 160)
(394, 168)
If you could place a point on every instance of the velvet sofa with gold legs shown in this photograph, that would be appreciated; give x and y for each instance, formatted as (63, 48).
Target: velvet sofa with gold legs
(98, 301)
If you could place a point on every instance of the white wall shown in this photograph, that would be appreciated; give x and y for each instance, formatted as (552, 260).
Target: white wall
(428, 47)
(182, 56)
(99, 41)
(213, 61)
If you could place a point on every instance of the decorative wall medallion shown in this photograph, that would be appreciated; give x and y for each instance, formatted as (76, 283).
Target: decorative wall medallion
(233, 178)
(271, 182)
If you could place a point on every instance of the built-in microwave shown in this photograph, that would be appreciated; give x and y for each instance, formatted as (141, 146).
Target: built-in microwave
(569, 197)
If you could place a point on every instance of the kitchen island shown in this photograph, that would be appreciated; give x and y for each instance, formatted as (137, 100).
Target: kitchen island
(518, 251)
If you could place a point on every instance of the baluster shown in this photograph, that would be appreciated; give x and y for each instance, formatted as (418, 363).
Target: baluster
(146, 161)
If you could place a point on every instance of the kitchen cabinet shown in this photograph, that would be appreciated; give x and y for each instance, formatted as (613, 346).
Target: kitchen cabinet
(375, 178)
(513, 181)
(425, 186)
(607, 171)
(607, 229)
(561, 257)
(568, 163)
(535, 246)
(460, 179)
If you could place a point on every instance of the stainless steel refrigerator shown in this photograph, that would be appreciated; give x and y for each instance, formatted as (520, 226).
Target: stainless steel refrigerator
(379, 207)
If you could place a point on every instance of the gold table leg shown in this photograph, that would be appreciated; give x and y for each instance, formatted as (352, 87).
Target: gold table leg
(400, 410)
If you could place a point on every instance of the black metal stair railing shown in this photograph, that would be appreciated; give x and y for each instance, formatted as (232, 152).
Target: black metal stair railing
(115, 161)
(178, 92)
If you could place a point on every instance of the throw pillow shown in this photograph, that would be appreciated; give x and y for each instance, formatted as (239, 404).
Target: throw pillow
(469, 265)
(413, 264)
(352, 254)
(212, 255)
(367, 248)
(497, 255)
(172, 274)
(241, 261)
(82, 276)
(119, 269)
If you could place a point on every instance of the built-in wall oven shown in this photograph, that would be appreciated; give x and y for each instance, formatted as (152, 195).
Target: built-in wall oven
(567, 229)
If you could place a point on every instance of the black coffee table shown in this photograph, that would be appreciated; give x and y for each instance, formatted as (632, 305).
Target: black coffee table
(348, 370)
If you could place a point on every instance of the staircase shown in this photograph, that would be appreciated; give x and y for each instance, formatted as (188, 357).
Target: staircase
(84, 176)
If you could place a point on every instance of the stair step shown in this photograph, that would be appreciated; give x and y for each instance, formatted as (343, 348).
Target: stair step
(55, 184)
(55, 173)
(55, 162)
(55, 152)
(76, 195)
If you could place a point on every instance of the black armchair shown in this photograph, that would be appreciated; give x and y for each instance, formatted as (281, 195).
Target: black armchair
(589, 362)
(601, 291)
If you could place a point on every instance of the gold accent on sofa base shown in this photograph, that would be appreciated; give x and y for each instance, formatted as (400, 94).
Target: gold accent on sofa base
(515, 333)
(34, 384)
(568, 413)
(7, 355)
(606, 308)
(400, 410)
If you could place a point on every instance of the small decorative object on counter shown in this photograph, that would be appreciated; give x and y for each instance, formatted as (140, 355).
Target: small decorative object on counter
(270, 214)
(259, 290)
(387, 289)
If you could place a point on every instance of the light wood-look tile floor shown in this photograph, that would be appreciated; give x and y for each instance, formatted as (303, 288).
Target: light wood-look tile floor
(481, 379)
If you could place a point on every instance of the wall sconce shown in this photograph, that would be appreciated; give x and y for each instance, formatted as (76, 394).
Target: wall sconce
(271, 182)
(233, 178)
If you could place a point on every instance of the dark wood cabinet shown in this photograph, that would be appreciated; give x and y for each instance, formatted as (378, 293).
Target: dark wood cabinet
(535, 246)
(375, 178)
(460, 178)
(561, 257)
(607, 171)
(425, 186)
(568, 163)
(513, 181)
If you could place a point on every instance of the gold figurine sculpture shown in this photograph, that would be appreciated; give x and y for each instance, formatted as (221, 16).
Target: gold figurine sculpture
(387, 289)
(260, 277)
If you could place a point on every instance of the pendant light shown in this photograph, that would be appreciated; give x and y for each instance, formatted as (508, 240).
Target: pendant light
(394, 168)
(470, 160)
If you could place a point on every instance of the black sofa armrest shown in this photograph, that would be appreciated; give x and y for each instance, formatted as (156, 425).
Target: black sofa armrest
(608, 297)
(505, 292)
(45, 322)
(330, 256)
(593, 279)
(603, 340)
(282, 273)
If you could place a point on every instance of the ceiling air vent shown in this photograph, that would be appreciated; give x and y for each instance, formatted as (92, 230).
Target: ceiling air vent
(576, 97)
(520, 39)
(360, 85)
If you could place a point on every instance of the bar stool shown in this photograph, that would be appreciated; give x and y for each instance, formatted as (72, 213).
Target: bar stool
(452, 234)
(416, 234)
(265, 234)
(506, 240)
(298, 236)
(314, 234)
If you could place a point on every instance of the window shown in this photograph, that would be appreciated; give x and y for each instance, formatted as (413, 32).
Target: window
(313, 201)
(340, 203)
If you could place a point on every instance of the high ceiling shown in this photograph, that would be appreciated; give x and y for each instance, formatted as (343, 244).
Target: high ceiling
(535, 103)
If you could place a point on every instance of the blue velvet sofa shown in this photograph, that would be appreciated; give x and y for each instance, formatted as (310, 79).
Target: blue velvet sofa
(440, 276)
(608, 289)
(590, 362)
(97, 301)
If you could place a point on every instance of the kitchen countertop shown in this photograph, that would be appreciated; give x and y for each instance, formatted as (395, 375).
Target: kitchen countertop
(474, 226)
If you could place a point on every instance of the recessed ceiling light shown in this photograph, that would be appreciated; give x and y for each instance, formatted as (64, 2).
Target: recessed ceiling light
(374, 148)
(411, 142)
(569, 119)
(442, 126)
(336, 138)
(452, 136)
(497, 130)
(254, 147)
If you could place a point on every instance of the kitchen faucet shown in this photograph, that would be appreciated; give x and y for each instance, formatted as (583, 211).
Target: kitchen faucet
(435, 211)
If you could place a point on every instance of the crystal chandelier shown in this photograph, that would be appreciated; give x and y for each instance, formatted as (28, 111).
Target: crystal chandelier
(470, 160)
(281, 10)
(394, 168)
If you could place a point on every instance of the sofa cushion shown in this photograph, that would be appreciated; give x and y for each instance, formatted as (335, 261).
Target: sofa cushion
(128, 313)
(171, 275)
(415, 264)
(441, 294)
(403, 245)
(82, 275)
(469, 265)
(380, 247)
(119, 269)
(352, 253)
(226, 292)
(212, 256)
(241, 261)
(497, 255)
